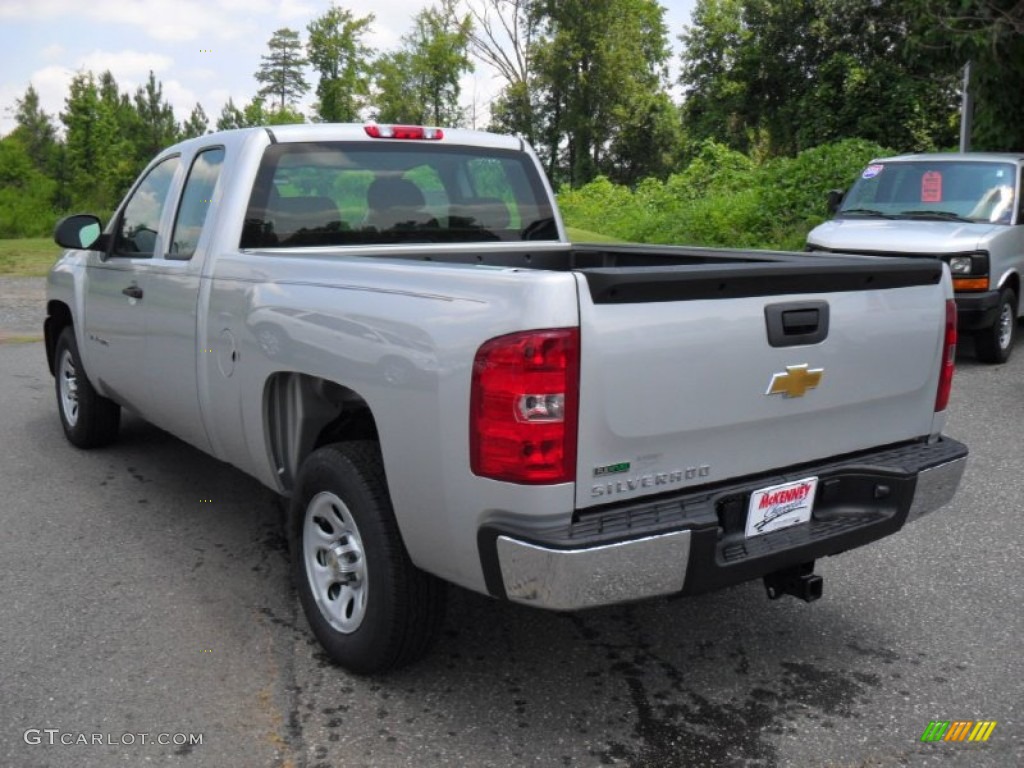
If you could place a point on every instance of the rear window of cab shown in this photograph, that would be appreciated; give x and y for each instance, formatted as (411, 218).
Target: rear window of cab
(355, 193)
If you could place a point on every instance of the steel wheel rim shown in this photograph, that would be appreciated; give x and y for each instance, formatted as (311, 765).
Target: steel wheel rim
(67, 376)
(335, 562)
(1005, 326)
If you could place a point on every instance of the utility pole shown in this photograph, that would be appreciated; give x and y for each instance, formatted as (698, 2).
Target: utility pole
(966, 110)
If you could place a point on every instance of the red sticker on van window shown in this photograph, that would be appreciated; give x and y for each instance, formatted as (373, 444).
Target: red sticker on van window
(931, 187)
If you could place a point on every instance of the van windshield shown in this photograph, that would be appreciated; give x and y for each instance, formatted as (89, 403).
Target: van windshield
(358, 193)
(945, 190)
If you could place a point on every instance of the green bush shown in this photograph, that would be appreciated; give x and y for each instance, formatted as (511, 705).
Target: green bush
(722, 198)
(26, 195)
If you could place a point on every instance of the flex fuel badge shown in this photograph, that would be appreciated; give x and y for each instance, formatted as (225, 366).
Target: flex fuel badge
(612, 469)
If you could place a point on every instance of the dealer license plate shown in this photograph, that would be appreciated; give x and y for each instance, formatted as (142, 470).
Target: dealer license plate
(781, 506)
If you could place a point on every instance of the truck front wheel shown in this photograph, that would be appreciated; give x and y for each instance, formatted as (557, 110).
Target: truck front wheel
(89, 419)
(368, 605)
(994, 344)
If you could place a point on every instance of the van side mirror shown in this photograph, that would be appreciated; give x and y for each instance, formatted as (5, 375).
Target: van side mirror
(81, 231)
(835, 199)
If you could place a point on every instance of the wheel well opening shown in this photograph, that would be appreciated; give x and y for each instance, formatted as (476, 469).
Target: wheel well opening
(58, 317)
(306, 412)
(1013, 281)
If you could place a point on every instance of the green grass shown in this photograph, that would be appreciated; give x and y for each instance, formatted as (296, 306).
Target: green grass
(577, 235)
(27, 257)
(19, 338)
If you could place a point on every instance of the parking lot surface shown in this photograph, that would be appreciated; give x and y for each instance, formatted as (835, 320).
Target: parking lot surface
(145, 591)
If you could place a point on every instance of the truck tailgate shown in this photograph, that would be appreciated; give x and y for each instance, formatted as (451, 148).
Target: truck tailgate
(680, 385)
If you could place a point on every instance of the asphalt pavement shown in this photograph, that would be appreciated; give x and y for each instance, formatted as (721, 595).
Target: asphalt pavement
(145, 609)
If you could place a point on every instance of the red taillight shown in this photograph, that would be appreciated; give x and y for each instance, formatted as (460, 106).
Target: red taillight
(948, 359)
(375, 131)
(523, 404)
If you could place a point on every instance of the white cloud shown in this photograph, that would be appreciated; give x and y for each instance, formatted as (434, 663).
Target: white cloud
(165, 20)
(181, 98)
(127, 65)
(297, 9)
(200, 73)
(51, 83)
(220, 96)
(52, 52)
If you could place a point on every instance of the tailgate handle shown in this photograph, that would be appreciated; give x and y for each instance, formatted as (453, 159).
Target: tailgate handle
(796, 322)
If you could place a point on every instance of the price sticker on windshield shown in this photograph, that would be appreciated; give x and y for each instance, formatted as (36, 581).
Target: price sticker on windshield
(931, 187)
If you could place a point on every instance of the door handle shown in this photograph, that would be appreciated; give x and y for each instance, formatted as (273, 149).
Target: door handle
(132, 291)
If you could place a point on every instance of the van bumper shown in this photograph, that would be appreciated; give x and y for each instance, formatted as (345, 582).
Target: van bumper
(694, 542)
(975, 311)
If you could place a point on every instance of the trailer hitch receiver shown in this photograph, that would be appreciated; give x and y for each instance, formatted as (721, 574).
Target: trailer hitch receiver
(800, 581)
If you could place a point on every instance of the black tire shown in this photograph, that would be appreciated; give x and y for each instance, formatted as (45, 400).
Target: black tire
(89, 419)
(384, 612)
(995, 343)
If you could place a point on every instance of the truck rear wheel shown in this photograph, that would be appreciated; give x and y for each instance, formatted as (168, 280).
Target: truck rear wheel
(371, 609)
(89, 419)
(994, 344)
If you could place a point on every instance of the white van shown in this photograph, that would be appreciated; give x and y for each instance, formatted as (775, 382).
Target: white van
(964, 208)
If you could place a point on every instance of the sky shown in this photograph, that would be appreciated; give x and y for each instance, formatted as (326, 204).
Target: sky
(201, 50)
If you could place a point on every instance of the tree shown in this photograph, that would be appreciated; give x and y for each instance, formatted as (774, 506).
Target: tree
(35, 130)
(129, 151)
(91, 142)
(647, 141)
(230, 117)
(420, 83)
(597, 57)
(158, 128)
(197, 123)
(989, 34)
(255, 114)
(502, 36)
(780, 77)
(338, 54)
(716, 89)
(26, 193)
(281, 70)
(394, 99)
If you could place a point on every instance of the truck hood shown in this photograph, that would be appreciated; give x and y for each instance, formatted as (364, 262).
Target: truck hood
(900, 236)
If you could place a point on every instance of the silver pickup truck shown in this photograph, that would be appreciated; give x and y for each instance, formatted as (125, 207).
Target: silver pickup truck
(966, 209)
(388, 326)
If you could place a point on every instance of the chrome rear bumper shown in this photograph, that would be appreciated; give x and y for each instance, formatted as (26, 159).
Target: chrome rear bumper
(566, 579)
(936, 487)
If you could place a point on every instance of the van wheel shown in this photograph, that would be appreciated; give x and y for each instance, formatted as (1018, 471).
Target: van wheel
(89, 419)
(995, 343)
(371, 609)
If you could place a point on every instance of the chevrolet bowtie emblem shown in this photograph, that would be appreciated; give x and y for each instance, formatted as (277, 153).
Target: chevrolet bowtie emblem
(795, 381)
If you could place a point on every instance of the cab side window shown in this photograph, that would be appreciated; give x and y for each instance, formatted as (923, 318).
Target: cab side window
(139, 226)
(195, 203)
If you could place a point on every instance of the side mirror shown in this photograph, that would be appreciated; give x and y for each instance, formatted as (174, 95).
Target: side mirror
(835, 199)
(80, 231)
